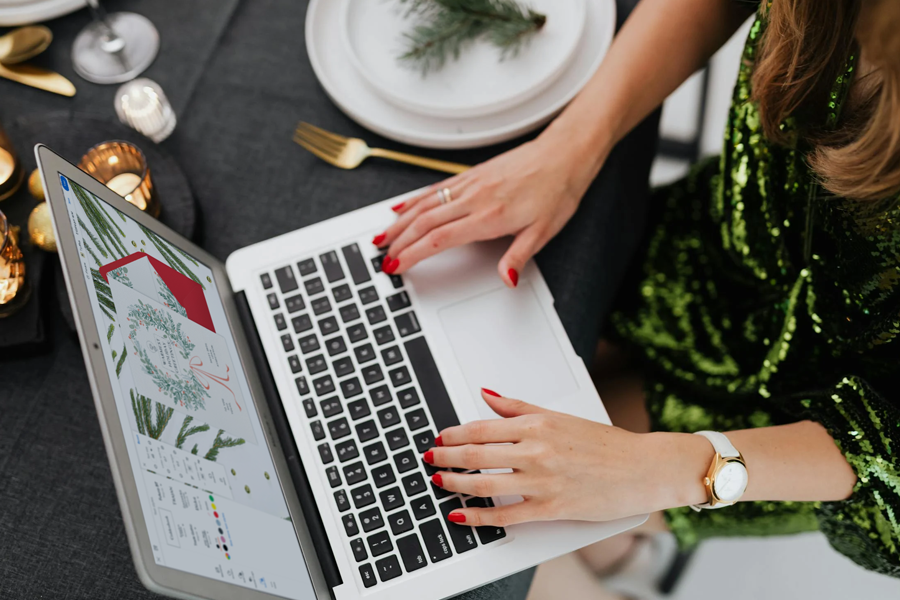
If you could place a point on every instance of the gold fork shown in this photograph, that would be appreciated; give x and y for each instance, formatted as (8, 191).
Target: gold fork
(348, 153)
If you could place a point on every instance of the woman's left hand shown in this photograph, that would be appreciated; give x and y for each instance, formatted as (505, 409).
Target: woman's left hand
(566, 467)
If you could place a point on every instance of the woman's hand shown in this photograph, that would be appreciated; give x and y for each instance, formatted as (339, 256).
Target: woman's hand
(529, 192)
(566, 467)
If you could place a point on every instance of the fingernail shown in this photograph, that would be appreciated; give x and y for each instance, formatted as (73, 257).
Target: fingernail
(438, 441)
(438, 480)
(378, 239)
(490, 392)
(429, 457)
(456, 517)
(513, 276)
(398, 207)
(386, 262)
(391, 267)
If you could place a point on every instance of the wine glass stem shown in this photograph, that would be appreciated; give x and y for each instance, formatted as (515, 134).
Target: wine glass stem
(112, 43)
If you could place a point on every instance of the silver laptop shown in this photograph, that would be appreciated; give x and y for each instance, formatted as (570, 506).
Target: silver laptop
(265, 418)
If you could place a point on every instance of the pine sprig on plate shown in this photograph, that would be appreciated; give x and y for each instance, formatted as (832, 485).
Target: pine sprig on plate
(446, 27)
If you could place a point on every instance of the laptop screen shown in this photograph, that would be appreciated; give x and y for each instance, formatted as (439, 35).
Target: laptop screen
(207, 484)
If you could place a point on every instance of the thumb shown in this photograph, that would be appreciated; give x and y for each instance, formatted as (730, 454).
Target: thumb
(525, 245)
(509, 407)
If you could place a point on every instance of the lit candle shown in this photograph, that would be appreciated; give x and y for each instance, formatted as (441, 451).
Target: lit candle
(127, 186)
(10, 174)
(7, 166)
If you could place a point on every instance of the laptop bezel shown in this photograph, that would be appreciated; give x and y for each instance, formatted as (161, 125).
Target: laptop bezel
(160, 579)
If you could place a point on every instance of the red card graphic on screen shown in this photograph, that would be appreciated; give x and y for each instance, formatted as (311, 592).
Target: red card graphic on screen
(188, 294)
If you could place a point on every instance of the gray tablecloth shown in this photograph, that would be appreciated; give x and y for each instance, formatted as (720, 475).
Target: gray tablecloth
(238, 76)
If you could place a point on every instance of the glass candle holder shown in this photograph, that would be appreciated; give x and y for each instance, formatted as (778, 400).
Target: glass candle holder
(14, 288)
(122, 167)
(11, 172)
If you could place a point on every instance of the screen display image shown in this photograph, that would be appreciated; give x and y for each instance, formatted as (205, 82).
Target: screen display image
(207, 484)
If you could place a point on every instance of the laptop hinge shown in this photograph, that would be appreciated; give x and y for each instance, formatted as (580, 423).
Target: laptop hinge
(292, 455)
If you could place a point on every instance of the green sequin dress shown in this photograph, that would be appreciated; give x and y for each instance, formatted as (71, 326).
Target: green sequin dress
(763, 301)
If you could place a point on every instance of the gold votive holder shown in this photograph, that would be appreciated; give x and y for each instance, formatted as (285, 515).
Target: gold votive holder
(14, 288)
(122, 167)
(11, 172)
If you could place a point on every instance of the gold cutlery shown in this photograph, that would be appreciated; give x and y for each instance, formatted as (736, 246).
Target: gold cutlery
(38, 78)
(348, 153)
(23, 43)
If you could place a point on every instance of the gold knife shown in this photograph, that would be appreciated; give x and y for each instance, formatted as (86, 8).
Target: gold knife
(38, 78)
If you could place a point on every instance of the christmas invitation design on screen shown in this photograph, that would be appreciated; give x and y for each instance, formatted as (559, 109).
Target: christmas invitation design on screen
(207, 484)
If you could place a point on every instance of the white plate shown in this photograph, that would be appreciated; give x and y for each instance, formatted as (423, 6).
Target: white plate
(475, 84)
(23, 12)
(351, 94)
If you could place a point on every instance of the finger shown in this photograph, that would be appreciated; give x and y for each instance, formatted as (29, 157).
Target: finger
(474, 456)
(446, 236)
(509, 407)
(524, 246)
(425, 222)
(431, 190)
(423, 205)
(492, 431)
(483, 485)
(501, 516)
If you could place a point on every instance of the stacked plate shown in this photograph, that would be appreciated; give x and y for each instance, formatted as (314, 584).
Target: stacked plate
(22, 12)
(475, 100)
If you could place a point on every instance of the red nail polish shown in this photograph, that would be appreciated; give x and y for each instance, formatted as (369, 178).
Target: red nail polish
(391, 267)
(386, 262)
(456, 517)
(438, 480)
(398, 207)
(513, 276)
(490, 392)
(429, 457)
(438, 441)
(378, 239)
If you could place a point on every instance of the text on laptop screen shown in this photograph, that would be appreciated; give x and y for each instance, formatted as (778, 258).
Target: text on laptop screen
(208, 489)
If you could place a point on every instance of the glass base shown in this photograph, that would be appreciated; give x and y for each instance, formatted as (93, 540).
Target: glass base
(101, 59)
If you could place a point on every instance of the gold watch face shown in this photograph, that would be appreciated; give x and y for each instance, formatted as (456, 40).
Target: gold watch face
(730, 481)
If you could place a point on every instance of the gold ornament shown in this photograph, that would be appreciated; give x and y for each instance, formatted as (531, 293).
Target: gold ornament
(40, 228)
(35, 186)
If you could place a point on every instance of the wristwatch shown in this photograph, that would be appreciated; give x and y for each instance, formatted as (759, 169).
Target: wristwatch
(726, 479)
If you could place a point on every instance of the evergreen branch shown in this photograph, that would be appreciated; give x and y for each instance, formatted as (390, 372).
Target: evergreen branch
(220, 443)
(109, 332)
(169, 256)
(163, 416)
(107, 313)
(91, 236)
(94, 256)
(138, 414)
(194, 449)
(121, 360)
(187, 431)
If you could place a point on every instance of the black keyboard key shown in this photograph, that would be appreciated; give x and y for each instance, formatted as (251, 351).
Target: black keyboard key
(367, 431)
(287, 342)
(355, 473)
(273, 301)
(429, 379)
(266, 280)
(368, 295)
(351, 387)
(332, 266)
(388, 568)
(430, 469)
(314, 286)
(375, 315)
(286, 280)
(377, 262)
(309, 344)
(398, 301)
(362, 496)
(371, 519)
(435, 540)
(416, 419)
(341, 293)
(400, 376)
(323, 385)
(294, 303)
(364, 353)
(372, 374)
(411, 553)
(303, 388)
(346, 450)
(316, 364)
(414, 484)
(383, 335)
(380, 543)
(462, 536)
(358, 409)
(339, 428)
(320, 305)
(317, 430)
(309, 406)
(396, 281)
(334, 479)
(349, 313)
(340, 498)
(407, 324)
(301, 323)
(405, 461)
(367, 574)
(306, 267)
(439, 492)
(359, 550)
(424, 440)
(391, 499)
(488, 533)
(325, 453)
(350, 526)
(391, 355)
(357, 333)
(397, 439)
(331, 406)
(383, 475)
(342, 366)
(388, 417)
(280, 323)
(294, 362)
(408, 397)
(356, 263)
(375, 453)
(328, 325)
(335, 346)
(380, 395)
(400, 521)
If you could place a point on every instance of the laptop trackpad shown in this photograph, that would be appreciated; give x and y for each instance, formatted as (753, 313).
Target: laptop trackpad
(503, 341)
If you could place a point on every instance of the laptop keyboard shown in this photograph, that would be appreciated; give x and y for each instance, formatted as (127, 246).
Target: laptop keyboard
(373, 398)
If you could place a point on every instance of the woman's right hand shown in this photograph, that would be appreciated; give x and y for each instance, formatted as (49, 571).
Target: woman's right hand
(529, 192)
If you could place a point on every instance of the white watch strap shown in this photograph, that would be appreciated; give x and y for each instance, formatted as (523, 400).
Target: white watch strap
(721, 443)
